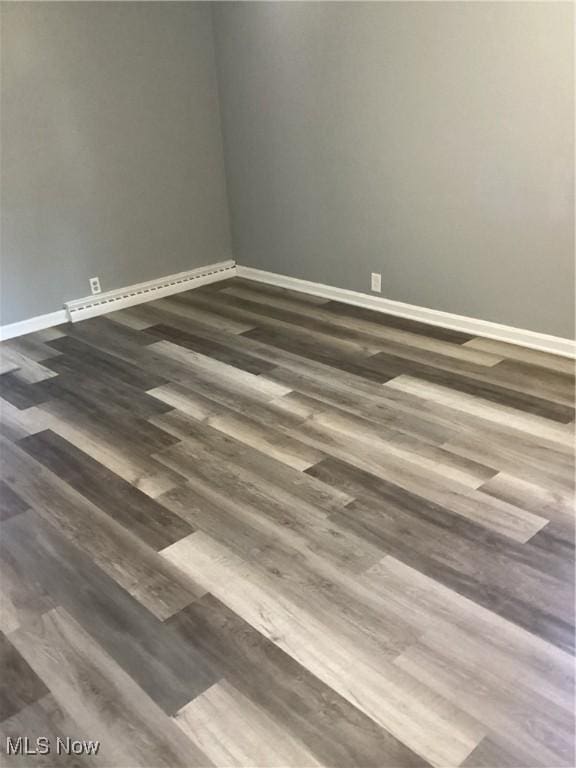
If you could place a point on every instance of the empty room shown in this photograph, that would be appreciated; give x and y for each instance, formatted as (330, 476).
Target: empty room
(287, 371)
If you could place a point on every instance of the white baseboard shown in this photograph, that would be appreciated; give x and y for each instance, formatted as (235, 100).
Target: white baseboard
(38, 323)
(184, 281)
(471, 325)
(120, 298)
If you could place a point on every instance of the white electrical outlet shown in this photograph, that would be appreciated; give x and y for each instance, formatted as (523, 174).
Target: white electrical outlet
(376, 282)
(95, 285)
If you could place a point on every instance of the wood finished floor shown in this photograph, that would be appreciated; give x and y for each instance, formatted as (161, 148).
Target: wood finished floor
(243, 526)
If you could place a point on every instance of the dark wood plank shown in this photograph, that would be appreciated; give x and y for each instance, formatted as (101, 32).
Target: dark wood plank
(20, 393)
(10, 502)
(101, 396)
(133, 509)
(19, 684)
(82, 359)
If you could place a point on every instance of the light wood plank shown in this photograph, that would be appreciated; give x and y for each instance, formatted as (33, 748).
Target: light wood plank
(235, 733)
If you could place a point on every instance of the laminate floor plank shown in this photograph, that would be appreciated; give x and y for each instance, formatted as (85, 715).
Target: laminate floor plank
(119, 451)
(558, 506)
(477, 417)
(19, 684)
(213, 350)
(498, 710)
(201, 402)
(46, 719)
(301, 344)
(405, 447)
(477, 405)
(557, 386)
(219, 320)
(133, 509)
(347, 391)
(6, 366)
(206, 327)
(287, 514)
(171, 363)
(406, 343)
(263, 471)
(470, 503)
(31, 348)
(101, 396)
(81, 358)
(394, 701)
(25, 368)
(247, 526)
(162, 664)
(47, 334)
(234, 732)
(335, 731)
(203, 393)
(468, 653)
(310, 579)
(280, 320)
(524, 354)
(495, 753)
(19, 393)
(284, 449)
(261, 429)
(476, 542)
(374, 406)
(102, 698)
(105, 334)
(532, 460)
(540, 604)
(205, 365)
(250, 347)
(432, 331)
(10, 502)
(427, 605)
(485, 388)
(121, 554)
(129, 319)
(16, 424)
(22, 600)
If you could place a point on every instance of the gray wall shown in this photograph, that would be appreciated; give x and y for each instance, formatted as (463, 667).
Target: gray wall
(111, 148)
(431, 142)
